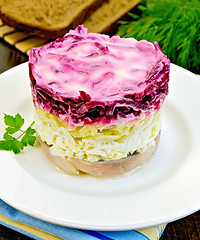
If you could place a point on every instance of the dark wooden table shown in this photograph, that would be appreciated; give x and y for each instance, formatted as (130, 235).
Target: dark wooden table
(187, 228)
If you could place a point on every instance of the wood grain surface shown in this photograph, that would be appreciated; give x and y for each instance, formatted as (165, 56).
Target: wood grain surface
(187, 228)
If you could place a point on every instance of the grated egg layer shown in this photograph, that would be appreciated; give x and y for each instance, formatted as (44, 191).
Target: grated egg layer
(94, 142)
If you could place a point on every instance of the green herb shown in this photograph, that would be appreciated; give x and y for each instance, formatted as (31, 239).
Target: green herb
(174, 24)
(15, 139)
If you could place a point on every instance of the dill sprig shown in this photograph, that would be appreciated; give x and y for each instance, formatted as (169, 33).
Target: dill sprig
(174, 24)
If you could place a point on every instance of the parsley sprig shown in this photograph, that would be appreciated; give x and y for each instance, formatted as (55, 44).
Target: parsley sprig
(15, 139)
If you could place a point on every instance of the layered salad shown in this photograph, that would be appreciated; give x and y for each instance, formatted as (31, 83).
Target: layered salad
(98, 99)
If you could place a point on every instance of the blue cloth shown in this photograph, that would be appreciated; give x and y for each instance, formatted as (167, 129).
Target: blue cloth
(60, 232)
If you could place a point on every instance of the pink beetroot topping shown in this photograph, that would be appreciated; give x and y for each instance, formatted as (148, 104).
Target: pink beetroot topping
(88, 77)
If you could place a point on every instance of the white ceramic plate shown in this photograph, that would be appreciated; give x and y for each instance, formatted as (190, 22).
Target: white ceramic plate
(164, 189)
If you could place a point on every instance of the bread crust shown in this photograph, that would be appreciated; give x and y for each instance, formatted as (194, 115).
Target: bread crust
(104, 19)
(75, 166)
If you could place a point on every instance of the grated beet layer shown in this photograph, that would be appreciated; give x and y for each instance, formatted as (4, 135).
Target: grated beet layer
(87, 77)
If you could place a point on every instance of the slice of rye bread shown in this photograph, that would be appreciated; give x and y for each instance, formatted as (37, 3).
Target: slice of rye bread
(49, 19)
(101, 20)
(53, 18)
